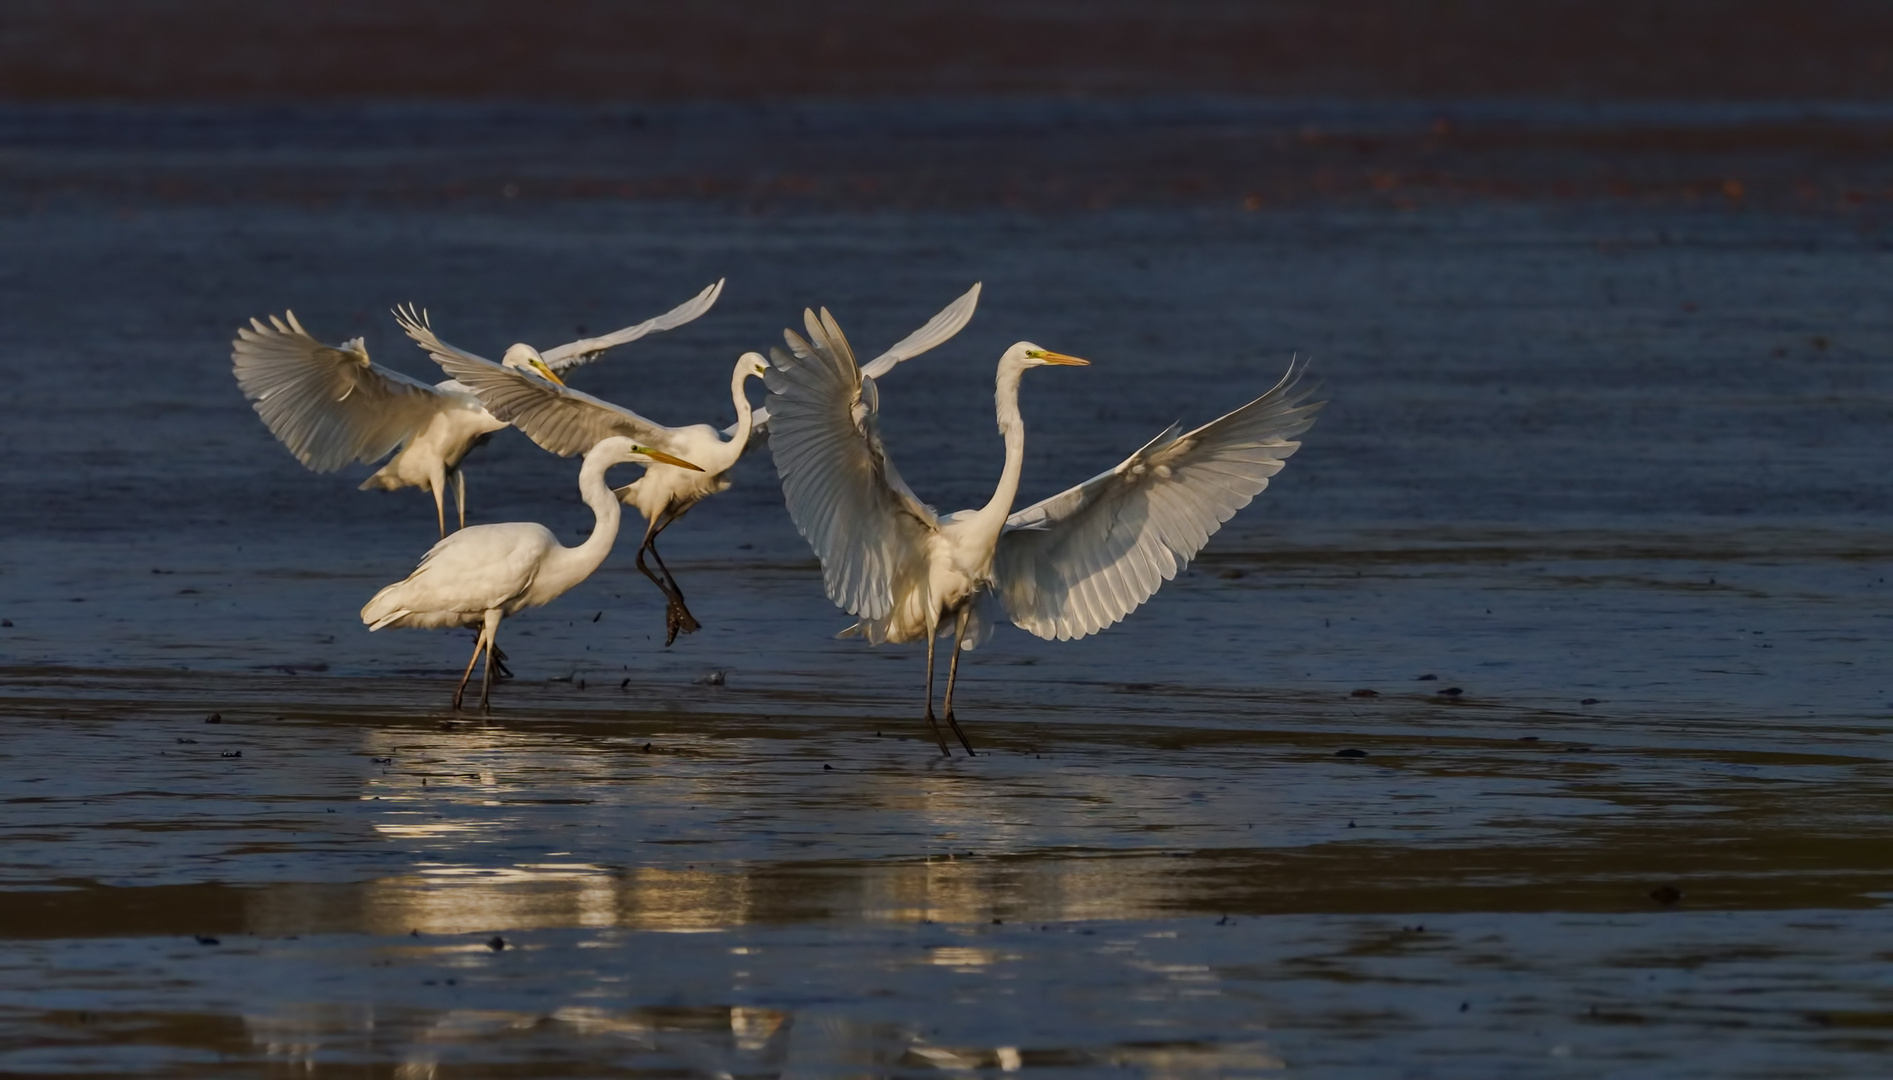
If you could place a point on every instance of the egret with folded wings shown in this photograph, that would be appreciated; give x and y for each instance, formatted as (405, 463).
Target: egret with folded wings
(1062, 569)
(330, 404)
(567, 422)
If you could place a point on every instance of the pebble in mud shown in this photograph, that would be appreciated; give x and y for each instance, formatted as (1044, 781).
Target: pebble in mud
(1350, 752)
(496, 943)
(1427, 678)
(1667, 895)
(1363, 693)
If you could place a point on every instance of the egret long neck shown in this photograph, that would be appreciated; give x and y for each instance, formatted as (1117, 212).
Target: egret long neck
(744, 412)
(570, 565)
(992, 517)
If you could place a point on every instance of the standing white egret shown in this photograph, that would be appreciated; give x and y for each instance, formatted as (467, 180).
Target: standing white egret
(331, 405)
(567, 422)
(1063, 568)
(478, 576)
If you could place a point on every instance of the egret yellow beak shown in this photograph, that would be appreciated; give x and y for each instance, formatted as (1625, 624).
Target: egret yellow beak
(659, 455)
(539, 366)
(1058, 358)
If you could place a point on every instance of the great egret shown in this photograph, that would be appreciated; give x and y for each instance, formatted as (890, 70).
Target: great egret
(478, 576)
(567, 421)
(1063, 568)
(331, 405)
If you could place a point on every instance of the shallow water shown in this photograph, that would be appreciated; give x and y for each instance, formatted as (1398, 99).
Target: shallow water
(1610, 470)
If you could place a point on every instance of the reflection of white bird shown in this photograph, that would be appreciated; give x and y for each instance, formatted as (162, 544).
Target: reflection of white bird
(331, 405)
(1063, 568)
(478, 576)
(567, 421)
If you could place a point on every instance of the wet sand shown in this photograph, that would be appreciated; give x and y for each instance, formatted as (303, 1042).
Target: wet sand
(1609, 466)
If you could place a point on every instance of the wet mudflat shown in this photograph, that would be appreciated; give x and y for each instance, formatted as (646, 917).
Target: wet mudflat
(1608, 471)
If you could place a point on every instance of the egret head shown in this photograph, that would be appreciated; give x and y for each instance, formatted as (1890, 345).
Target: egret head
(1026, 354)
(620, 450)
(524, 357)
(751, 363)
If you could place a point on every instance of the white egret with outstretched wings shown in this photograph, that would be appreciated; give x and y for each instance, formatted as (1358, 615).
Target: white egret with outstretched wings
(1062, 568)
(478, 576)
(567, 421)
(331, 405)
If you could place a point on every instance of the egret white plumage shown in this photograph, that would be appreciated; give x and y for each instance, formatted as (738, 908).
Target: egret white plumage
(480, 575)
(1062, 568)
(331, 405)
(567, 421)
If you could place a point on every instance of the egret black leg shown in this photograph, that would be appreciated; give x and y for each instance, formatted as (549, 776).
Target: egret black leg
(479, 642)
(678, 617)
(931, 722)
(953, 672)
(486, 681)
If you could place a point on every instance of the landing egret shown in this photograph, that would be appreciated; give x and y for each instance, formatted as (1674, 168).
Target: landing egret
(480, 575)
(1062, 569)
(567, 421)
(331, 405)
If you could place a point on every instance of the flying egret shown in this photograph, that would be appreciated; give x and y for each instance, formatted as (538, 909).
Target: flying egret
(1063, 568)
(480, 575)
(331, 405)
(567, 422)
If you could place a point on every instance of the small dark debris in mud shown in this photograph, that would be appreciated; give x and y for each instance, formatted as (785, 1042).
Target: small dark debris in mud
(625, 683)
(231, 753)
(1465, 1005)
(414, 933)
(1666, 894)
(1819, 341)
(715, 678)
(598, 616)
(647, 748)
(192, 741)
(187, 592)
(1224, 921)
(1416, 928)
(581, 684)
(1350, 752)
(6, 622)
(206, 939)
(1363, 693)
(999, 922)
(827, 767)
(1350, 823)
(155, 570)
(214, 718)
(1137, 687)
(1588, 701)
(1230, 575)
(1528, 738)
(1427, 678)
(382, 760)
(497, 943)
(1451, 691)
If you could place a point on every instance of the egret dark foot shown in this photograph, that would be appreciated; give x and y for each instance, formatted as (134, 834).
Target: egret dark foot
(955, 725)
(934, 726)
(500, 670)
(678, 620)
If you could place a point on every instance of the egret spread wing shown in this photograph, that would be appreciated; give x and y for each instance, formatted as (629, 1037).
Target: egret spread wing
(558, 418)
(843, 493)
(1083, 559)
(586, 350)
(329, 404)
(935, 332)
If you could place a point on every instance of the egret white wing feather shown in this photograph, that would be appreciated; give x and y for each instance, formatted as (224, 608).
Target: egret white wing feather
(329, 404)
(936, 331)
(843, 493)
(585, 350)
(558, 418)
(1085, 558)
